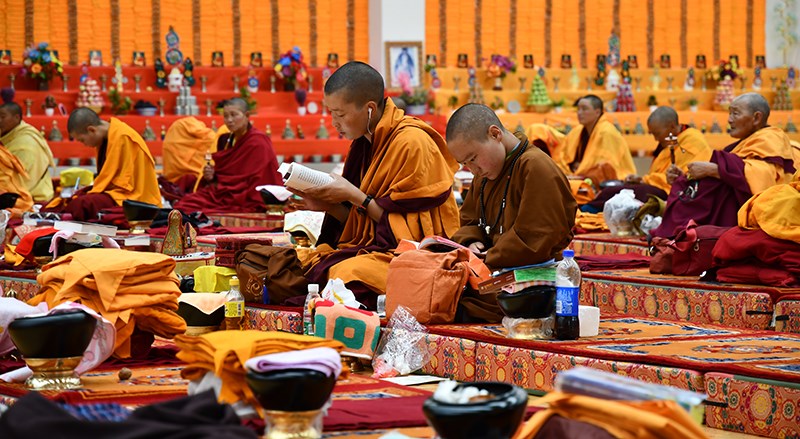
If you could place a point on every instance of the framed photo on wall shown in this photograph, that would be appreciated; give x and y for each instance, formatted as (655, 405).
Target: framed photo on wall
(403, 58)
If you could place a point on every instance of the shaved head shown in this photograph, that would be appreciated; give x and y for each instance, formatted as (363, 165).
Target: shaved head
(663, 116)
(593, 100)
(239, 103)
(755, 102)
(12, 108)
(472, 121)
(358, 82)
(80, 119)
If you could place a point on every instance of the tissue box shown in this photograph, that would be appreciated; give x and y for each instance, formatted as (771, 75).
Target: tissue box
(358, 330)
(211, 279)
(228, 246)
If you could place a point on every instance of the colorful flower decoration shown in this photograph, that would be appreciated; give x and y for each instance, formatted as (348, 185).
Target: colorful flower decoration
(40, 62)
(290, 66)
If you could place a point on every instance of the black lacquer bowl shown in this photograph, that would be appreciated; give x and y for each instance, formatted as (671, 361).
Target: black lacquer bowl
(495, 418)
(55, 336)
(536, 302)
(291, 390)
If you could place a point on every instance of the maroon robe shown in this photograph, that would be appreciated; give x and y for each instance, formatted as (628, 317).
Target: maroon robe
(708, 201)
(238, 170)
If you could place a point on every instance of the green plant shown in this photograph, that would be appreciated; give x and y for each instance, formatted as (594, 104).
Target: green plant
(651, 101)
(452, 101)
(49, 102)
(417, 96)
(119, 104)
(244, 93)
(558, 103)
(693, 101)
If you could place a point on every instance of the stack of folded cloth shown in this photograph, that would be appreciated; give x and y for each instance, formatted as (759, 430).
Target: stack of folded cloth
(133, 290)
(228, 246)
(325, 360)
(224, 353)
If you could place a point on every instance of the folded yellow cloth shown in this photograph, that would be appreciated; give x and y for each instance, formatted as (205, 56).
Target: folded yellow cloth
(130, 289)
(622, 419)
(212, 279)
(225, 352)
(590, 222)
(70, 176)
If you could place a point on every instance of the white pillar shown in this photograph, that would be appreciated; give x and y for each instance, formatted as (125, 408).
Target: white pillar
(395, 21)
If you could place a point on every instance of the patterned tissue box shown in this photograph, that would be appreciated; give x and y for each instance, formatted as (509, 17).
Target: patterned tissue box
(228, 246)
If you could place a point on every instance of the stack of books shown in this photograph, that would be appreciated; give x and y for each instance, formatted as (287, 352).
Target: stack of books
(516, 279)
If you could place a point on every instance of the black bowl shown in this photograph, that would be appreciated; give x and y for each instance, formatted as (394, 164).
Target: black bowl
(54, 336)
(138, 211)
(195, 317)
(270, 199)
(536, 302)
(291, 390)
(496, 418)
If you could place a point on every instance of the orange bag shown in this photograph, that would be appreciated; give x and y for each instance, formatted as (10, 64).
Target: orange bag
(428, 284)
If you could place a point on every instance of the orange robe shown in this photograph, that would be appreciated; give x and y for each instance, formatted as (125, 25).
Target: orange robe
(776, 211)
(32, 150)
(129, 171)
(185, 147)
(622, 419)
(407, 161)
(541, 134)
(225, 352)
(606, 146)
(692, 147)
(12, 175)
(132, 290)
(760, 152)
(795, 153)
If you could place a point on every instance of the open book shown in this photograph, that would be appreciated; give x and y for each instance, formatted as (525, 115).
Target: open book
(300, 177)
(436, 244)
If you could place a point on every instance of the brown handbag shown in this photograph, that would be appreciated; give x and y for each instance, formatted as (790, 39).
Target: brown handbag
(278, 267)
(693, 247)
(428, 284)
(661, 254)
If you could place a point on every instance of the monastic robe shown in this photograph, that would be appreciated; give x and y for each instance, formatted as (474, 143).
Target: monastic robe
(535, 225)
(128, 171)
(238, 169)
(27, 143)
(185, 147)
(746, 167)
(776, 211)
(545, 137)
(605, 145)
(409, 172)
(692, 147)
(795, 153)
(12, 174)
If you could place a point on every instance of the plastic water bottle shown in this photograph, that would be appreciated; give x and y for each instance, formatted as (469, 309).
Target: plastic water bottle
(568, 287)
(308, 323)
(234, 306)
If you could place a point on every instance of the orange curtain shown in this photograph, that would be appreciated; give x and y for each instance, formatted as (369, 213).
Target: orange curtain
(362, 30)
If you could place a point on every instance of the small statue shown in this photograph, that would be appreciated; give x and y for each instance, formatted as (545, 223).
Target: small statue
(148, 134)
(655, 80)
(638, 129)
(715, 128)
(574, 80)
(757, 81)
(43, 132)
(791, 78)
(790, 128)
(300, 134)
(163, 131)
(688, 85)
(188, 72)
(252, 81)
(55, 133)
(214, 126)
(287, 130)
(322, 132)
(613, 49)
(268, 130)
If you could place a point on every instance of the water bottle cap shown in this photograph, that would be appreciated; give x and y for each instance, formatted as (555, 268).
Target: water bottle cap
(569, 253)
(234, 282)
(313, 288)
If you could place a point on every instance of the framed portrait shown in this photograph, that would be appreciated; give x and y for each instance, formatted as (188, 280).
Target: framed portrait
(403, 58)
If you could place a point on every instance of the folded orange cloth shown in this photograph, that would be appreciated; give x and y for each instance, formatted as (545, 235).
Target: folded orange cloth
(590, 222)
(225, 352)
(622, 419)
(130, 289)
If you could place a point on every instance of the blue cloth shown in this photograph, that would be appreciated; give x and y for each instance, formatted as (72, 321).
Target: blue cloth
(98, 412)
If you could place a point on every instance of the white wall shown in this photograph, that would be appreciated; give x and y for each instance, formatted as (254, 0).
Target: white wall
(773, 38)
(394, 20)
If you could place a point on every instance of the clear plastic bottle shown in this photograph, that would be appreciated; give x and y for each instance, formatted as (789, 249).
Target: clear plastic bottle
(308, 322)
(234, 306)
(568, 287)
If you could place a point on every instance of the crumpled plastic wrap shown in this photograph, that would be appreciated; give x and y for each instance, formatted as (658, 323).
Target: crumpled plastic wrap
(619, 211)
(530, 329)
(402, 348)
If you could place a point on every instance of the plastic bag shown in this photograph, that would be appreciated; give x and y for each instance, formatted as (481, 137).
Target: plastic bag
(336, 292)
(649, 222)
(619, 211)
(402, 348)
